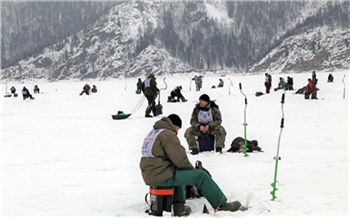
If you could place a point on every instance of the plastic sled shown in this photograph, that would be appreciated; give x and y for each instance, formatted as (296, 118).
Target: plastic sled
(120, 116)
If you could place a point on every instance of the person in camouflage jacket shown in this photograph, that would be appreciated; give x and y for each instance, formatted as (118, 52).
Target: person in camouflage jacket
(150, 90)
(164, 163)
(206, 119)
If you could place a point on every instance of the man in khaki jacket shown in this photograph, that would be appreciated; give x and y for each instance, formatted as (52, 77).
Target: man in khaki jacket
(164, 163)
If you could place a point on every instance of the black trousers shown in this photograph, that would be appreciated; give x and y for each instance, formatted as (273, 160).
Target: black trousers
(177, 95)
(151, 105)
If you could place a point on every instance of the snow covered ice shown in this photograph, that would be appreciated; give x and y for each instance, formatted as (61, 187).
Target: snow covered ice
(63, 155)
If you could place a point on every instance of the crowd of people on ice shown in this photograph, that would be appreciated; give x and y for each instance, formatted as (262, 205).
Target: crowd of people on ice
(25, 92)
(27, 95)
(165, 157)
(310, 89)
(164, 161)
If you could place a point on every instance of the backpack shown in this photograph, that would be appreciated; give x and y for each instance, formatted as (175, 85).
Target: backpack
(193, 191)
(237, 145)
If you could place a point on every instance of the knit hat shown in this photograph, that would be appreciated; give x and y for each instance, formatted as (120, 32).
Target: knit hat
(204, 97)
(175, 119)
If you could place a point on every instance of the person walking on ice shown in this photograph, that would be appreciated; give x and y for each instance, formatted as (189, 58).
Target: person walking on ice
(150, 90)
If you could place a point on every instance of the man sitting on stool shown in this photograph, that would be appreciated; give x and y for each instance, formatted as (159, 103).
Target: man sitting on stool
(164, 163)
(206, 119)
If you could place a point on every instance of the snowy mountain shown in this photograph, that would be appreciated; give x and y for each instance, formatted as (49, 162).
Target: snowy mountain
(29, 26)
(140, 37)
(316, 50)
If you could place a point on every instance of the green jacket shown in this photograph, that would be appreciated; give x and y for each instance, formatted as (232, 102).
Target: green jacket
(217, 120)
(169, 155)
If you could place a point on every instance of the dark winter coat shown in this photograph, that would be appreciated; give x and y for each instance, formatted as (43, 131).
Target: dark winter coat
(169, 155)
(217, 120)
(25, 92)
(330, 78)
(36, 89)
(268, 80)
(313, 75)
(221, 83)
(176, 92)
(13, 90)
(86, 88)
(149, 86)
(94, 89)
(139, 84)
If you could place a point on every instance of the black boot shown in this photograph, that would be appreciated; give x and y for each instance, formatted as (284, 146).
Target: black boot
(194, 151)
(231, 206)
(218, 149)
(180, 209)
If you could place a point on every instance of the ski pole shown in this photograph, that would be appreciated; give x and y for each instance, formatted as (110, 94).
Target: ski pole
(277, 158)
(245, 123)
(344, 86)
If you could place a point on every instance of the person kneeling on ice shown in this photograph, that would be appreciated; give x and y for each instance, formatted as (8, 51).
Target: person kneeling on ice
(176, 95)
(26, 94)
(311, 89)
(164, 163)
(205, 119)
